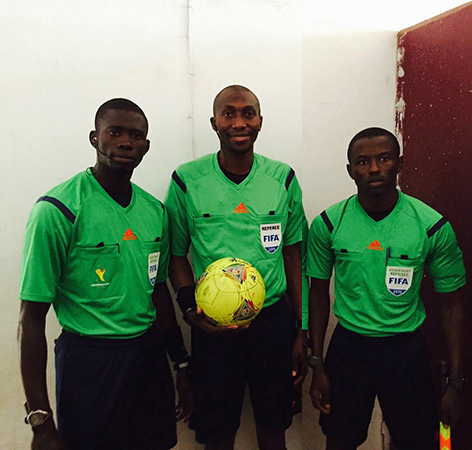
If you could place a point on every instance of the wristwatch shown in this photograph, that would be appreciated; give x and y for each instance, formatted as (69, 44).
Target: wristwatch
(182, 363)
(37, 417)
(314, 361)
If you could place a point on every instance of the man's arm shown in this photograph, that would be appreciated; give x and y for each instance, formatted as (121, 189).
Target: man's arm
(319, 316)
(293, 273)
(167, 324)
(165, 311)
(33, 360)
(452, 316)
(180, 272)
(446, 268)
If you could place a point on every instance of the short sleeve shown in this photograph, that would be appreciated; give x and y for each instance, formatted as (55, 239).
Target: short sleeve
(296, 215)
(176, 208)
(444, 261)
(45, 248)
(320, 256)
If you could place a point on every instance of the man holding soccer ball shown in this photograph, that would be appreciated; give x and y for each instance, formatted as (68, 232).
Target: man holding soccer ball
(236, 203)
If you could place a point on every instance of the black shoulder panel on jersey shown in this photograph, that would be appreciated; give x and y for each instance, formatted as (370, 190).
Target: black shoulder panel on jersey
(327, 222)
(291, 174)
(60, 206)
(442, 221)
(181, 184)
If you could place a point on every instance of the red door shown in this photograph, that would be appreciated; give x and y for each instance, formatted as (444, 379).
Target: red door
(434, 117)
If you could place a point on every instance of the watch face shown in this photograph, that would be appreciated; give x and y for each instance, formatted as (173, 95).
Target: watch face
(37, 418)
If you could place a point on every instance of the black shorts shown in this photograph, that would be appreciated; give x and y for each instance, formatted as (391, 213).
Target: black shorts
(115, 394)
(397, 370)
(260, 356)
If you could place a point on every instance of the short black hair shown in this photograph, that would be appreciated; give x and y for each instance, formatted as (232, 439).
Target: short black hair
(370, 133)
(238, 88)
(122, 104)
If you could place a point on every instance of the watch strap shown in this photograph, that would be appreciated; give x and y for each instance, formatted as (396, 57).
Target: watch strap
(314, 361)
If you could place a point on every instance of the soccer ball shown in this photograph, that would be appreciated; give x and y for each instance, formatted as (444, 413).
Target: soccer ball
(230, 291)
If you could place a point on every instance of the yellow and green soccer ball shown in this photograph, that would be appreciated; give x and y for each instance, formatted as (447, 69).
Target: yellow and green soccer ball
(230, 291)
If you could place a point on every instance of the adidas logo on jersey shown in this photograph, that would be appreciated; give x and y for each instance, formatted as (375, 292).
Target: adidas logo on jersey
(128, 236)
(374, 246)
(240, 209)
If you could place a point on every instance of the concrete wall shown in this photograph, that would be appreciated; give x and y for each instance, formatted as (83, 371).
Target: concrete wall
(348, 85)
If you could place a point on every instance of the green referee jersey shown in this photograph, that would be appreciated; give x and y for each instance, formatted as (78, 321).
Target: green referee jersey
(94, 260)
(252, 220)
(379, 265)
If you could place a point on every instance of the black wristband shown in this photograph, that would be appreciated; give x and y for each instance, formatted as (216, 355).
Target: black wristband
(314, 361)
(186, 298)
(174, 344)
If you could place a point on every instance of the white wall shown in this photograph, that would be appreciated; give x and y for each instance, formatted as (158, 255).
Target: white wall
(348, 85)
(256, 44)
(59, 61)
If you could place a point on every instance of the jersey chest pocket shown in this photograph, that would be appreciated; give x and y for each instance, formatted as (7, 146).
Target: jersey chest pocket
(401, 275)
(349, 269)
(91, 272)
(210, 235)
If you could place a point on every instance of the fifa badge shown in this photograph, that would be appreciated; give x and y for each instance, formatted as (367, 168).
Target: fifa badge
(398, 279)
(271, 236)
(153, 264)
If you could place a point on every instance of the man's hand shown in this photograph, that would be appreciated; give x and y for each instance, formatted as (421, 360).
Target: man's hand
(319, 390)
(184, 409)
(451, 410)
(298, 360)
(198, 319)
(46, 437)
(33, 357)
